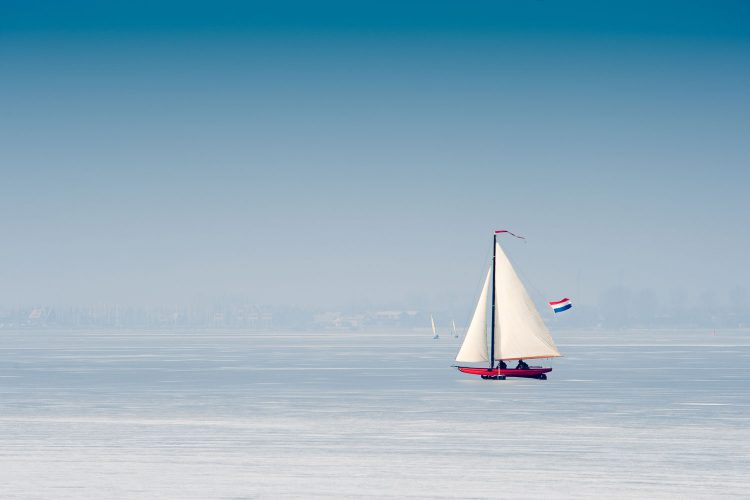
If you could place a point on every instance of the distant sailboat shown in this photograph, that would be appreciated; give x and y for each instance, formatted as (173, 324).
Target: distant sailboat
(455, 333)
(517, 331)
(434, 330)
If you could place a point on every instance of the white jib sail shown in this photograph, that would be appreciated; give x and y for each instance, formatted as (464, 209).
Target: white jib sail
(474, 347)
(522, 333)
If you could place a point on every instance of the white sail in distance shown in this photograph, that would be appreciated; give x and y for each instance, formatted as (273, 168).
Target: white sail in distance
(520, 332)
(474, 347)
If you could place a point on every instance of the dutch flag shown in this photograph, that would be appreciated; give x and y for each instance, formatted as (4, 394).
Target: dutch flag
(561, 305)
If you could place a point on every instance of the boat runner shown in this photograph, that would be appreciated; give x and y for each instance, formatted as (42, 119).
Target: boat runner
(517, 331)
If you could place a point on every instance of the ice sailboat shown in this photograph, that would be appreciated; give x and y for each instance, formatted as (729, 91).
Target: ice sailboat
(517, 331)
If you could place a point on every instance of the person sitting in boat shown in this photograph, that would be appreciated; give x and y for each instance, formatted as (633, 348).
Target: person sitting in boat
(502, 365)
(522, 365)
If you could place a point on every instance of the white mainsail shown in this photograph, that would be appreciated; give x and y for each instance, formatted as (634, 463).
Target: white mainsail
(521, 333)
(474, 347)
(434, 330)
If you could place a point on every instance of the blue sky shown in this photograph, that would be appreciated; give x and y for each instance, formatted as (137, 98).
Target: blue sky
(725, 19)
(328, 155)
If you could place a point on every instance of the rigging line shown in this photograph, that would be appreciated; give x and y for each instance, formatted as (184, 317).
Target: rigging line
(478, 286)
(482, 275)
(535, 292)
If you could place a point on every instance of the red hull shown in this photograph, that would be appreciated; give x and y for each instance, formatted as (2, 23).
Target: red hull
(508, 372)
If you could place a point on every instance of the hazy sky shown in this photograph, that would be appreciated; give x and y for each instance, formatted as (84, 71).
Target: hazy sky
(331, 154)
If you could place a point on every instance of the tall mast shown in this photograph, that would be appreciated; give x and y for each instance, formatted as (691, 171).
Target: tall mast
(492, 331)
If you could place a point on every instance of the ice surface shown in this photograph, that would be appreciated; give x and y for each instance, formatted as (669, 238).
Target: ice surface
(166, 414)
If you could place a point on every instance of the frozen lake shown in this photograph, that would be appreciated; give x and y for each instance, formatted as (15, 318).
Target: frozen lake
(152, 414)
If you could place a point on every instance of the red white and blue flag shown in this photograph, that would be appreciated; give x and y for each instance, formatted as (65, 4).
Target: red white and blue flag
(561, 305)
